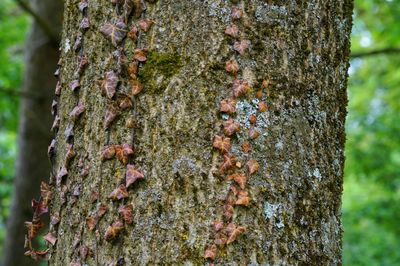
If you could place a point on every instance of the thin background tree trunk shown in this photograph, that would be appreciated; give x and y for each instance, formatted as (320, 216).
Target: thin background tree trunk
(32, 164)
(298, 49)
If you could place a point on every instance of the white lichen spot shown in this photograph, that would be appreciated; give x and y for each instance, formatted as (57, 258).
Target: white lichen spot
(249, 76)
(316, 173)
(280, 225)
(225, 116)
(271, 14)
(67, 45)
(270, 210)
(222, 12)
(279, 145)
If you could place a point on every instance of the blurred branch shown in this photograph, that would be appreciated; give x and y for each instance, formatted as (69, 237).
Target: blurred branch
(389, 50)
(15, 93)
(40, 21)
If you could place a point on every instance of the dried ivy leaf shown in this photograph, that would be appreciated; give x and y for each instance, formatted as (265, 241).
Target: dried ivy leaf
(127, 213)
(115, 33)
(237, 13)
(136, 86)
(108, 152)
(37, 255)
(243, 198)
(223, 144)
(252, 119)
(49, 237)
(220, 239)
(110, 83)
(133, 70)
(262, 107)
(57, 91)
(231, 127)
(132, 175)
(78, 43)
(102, 209)
(228, 106)
(130, 122)
(45, 193)
(75, 85)
(55, 218)
(83, 62)
(246, 147)
(91, 222)
(83, 5)
(61, 174)
(119, 193)
(56, 124)
(241, 46)
(124, 102)
(239, 178)
(253, 166)
(139, 7)
(228, 211)
(232, 31)
(253, 133)
(114, 230)
(112, 112)
(85, 23)
(211, 252)
(52, 148)
(77, 111)
(140, 55)
(145, 24)
(39, 208)
(259, 94)
(69, 132)
(123, 152)
(70, 154)
(229, 163)
(132, 34)
(265, 83)
(236, 232)
(232, 66)
(240, 87)
(94, 196)
(218, 225)
(33, 228)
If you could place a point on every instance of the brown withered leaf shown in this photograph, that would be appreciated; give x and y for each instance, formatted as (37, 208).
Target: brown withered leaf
(253, 133)
(145, 24)
(51, 150)
(85, 23)
(133, 70)
(45, 193)
(132, 175)
(235, 233)
(239, 178)
(243, 198)
(132, 34)
(232, 66)
(223, 144)
(127, 213)
(114, 230)
(84, 252)
(39, 208)
(124, 101)
(75, 85)
(57, 91)
(228, 106)
(130, 122)
(139, 7)
(63, 172)
(262, 107)
(228, 211)
(70, 155)
(218, 225)
(91, 222)
(140, 55)
(101, 210)
(54, 105)
(252, 119)
(56, 124)
(77, 111)
(78, 43)
(119, 193)
(123, 152)
(253, 166)
(240, 87)
(115, 33)
(265, 83)
(136, 86)
(108, 152)
(110, 83)
(37, 255)
(33, 228)
(55, 218)
(241, 46)
(229, 163)
(220, 239)
(231, 127)
(232, 30)
(49, 237)
(211, 252)
(112, 112)
(237, 13)
(94, 196)
(259, 94)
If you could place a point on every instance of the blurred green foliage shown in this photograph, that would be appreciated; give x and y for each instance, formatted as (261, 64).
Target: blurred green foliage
(371, 209)
(13, 28)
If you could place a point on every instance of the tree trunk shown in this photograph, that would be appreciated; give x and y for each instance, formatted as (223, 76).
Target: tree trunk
(32, 164)
(287, 93)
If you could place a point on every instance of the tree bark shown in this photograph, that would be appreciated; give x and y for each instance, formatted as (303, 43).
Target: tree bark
(32, 164)
(290, 103)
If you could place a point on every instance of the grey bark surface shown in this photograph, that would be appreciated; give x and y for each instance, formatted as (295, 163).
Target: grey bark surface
(32, 164)
(302, 48)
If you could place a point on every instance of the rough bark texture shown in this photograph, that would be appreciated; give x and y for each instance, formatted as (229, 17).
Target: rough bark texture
(32, 164)
(293, 218)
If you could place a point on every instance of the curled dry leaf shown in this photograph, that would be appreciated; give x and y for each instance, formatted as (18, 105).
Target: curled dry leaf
(108, 152)
(39, 208)
(237, 13)
(229, 163)
(235, 233)
(239, 178)
(56, 124)
(139, 7)
(145, 24)
(240, 87)
(119, 193)
(130, 122)
(33, 228)
(123, 152)
(127, 213)
(49, 237)
(241, 46)
(228, 211)
(114, 230)
(55, 218)
(218, 225)
(252, 119)
(253, 133)
(110, 84)
(124, 101)
(78, 43)
(115, 33)
(133, 70)
(45, 193)
(232, 30)
(112, 112)
(232, 66)
(259, 94)
(211, 252)
(37, 255)
(243, 198)
(63, 172)
(231, 127)
(132, 175)
(69, 132)
(140, 55)
(265, 83)
(132, 34)
(94, 196)
(85, 23)
(57, 91)
(102, 209)
(253, 166)
(77, 111)
(75, 85)
(136, 86)
(51, 150)
(228, 106)
(223, 144)
(262, 107)
(91, 222)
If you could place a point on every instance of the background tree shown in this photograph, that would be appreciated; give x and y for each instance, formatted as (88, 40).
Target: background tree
(32, 165)
(271, 189)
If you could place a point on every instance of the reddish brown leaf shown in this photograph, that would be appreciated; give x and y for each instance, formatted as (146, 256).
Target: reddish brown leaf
(232, 31)
(49, 237)
(119, 193)
(55, 218)
(253, 166)
(77, 111)
(113, 231)
(229, 163)
(218, 225)
(253, 119)
(220, 239)
(112, 112)
(228, 106)
(140, 55)
(133, 70)
(132, 175)
(259, 94)
(211, 252)
(236, 232)
(94, 196)
(262, 107)
(56, 123)
(253, 133)
(139, 7)
(145, 24)
(265, 83)
(102, 209)
(123, 152)
(39, 208)
(91, 222)
(223, 144)
(231, 127)
(124, 101)
(115, 33)
(130, 122)
(239, 178)
(232, 66)
(110, 83)
(45, 193)
(136, 86)
(85, 24)
(237, 13)
(127, 213)
(75, 85)
(108, 152)
(132, 34)
(33, 228)
(37, 254)
(240, 87)
(243, 198)
(228, 211)
(241, 46)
